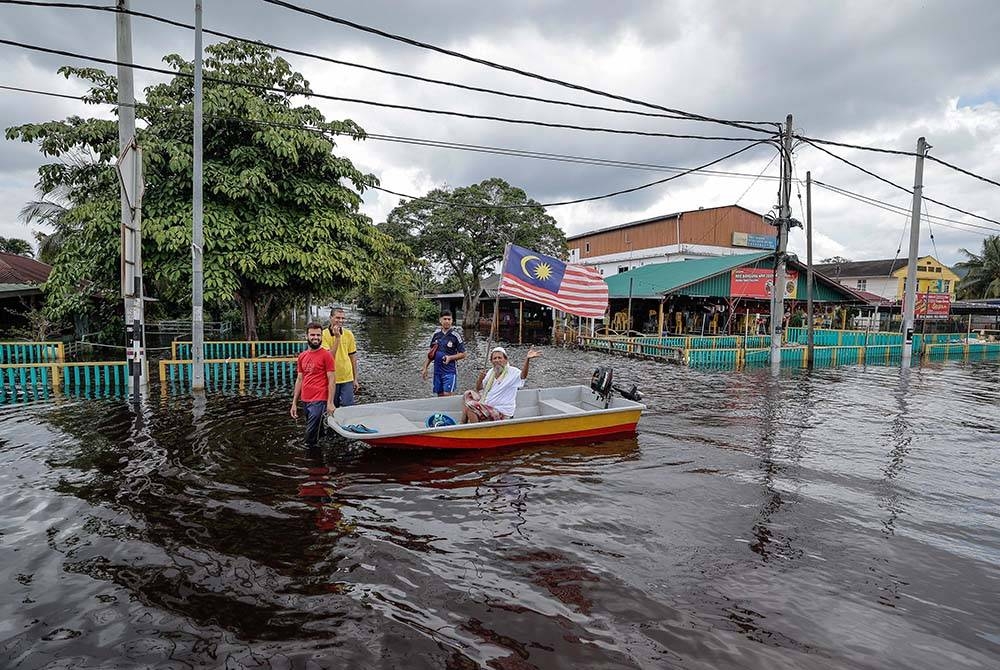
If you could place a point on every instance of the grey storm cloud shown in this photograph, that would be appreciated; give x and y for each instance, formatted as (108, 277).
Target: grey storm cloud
(883, 73)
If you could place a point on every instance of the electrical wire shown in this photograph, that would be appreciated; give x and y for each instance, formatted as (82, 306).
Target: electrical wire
(670, 115)
(306, 54)
(458, 146)
(901, 188)
(897, 152)
(745, 125)
(579, 200)
(327, 134)
(373, 103)
(902, 211)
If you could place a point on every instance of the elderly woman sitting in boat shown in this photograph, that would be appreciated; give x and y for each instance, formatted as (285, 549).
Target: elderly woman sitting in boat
(496, 388)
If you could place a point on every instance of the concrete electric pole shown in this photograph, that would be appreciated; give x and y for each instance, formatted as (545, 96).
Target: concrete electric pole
(783, 223)
(130, 174)
(197, 238)
(910, 290)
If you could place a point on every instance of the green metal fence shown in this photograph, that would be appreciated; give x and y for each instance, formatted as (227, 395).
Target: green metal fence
(41, 381)
(235, 374)
(181, 350)
(12, 353)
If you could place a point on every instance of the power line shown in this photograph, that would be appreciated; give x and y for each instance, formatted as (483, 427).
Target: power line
(896, 152)
(386, 105)
(507, 68)
(895, 209)
(588, 199)
(671, 115)
(901, 188)
(962, 170)
(478, 148)
(335, 61)
(327, 134)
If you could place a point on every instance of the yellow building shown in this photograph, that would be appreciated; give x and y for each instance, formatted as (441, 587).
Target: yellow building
(886, 278)
(932, 277)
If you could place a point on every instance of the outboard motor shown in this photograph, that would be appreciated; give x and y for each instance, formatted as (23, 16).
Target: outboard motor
(601, 384)
(632, 394)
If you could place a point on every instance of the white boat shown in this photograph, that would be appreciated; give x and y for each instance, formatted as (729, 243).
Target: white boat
(545, 415)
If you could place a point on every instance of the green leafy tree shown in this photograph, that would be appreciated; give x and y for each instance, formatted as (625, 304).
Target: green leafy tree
(281, 211)
(15, 245)
(463, 232)
(982, 271)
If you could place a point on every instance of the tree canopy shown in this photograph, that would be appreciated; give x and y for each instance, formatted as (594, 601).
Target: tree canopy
(982, 278)
(281, 211)
(15, 245)
(463, 232)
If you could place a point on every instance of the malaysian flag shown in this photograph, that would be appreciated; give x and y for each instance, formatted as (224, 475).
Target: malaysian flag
(575, 289)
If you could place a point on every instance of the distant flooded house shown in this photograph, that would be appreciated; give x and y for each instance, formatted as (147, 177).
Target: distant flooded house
(21, 280)
(886, 278)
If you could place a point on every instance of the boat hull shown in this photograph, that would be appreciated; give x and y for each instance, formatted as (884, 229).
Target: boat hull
(543, 416)
(497, 434)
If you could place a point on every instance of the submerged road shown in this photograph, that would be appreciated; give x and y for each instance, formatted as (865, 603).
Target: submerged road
(840, 518)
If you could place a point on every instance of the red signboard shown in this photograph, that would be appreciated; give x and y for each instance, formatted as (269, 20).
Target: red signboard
(932, 306)
(757, 282)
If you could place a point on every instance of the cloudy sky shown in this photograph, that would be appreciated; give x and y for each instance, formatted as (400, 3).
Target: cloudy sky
(876, 74)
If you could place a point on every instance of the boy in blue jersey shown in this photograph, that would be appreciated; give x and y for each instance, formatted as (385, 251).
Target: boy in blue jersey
(446, 348)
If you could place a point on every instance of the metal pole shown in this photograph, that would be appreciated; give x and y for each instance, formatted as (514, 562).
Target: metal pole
(131, 234)
(520, 322)
(810, 334)
(629, 322)
(197, 237)
(910, 292)
(785, 213)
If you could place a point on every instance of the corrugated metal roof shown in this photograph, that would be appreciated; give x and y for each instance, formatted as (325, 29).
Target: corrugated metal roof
(652, 281)
(664, 217)
(16, 269)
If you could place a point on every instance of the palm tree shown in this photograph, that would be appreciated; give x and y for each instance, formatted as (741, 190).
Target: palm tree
(52, 213)
(15, 245)
(982, 279)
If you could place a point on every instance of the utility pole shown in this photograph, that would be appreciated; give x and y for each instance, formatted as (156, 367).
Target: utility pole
(783, 223)
(197, 238)
(810, 332)
(130, 173)
(910, 291)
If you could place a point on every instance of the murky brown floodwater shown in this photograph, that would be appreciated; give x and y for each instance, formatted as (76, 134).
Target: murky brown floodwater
(846, 518)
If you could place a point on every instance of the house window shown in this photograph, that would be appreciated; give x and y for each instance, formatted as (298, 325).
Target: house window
(587, 247)
(937, 269)
(622, 268)
(862, 285)
(947, 286)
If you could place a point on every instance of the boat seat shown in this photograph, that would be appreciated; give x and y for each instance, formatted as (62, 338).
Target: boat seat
(387, 423)
(559, 406)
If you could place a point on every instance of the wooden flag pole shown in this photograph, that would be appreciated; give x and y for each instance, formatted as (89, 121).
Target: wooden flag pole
(494, 325)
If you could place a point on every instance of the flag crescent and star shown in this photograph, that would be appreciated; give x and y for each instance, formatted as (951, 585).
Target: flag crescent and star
(575, 289)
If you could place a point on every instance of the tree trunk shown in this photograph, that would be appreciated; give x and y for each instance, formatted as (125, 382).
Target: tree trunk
(470, 306)
(249, 308)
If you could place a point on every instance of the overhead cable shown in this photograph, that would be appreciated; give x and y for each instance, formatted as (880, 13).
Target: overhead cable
(336, 61)
(901, 188)
(328, 134)
(374, 103)
(745, 125)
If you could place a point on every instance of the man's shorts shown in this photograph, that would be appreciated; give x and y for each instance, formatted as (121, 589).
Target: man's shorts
(445, 382)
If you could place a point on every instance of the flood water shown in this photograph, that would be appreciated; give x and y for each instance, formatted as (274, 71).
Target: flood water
(844, 518)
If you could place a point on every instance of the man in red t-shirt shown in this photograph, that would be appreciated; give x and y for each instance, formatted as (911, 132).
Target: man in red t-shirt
(315, 383)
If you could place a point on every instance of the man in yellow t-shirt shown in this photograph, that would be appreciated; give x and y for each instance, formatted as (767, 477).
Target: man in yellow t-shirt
(340, 342)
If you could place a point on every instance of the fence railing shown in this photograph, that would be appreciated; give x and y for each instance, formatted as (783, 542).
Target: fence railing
(31, 352)
(223, 349)
(35, 381)
(229, 374)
